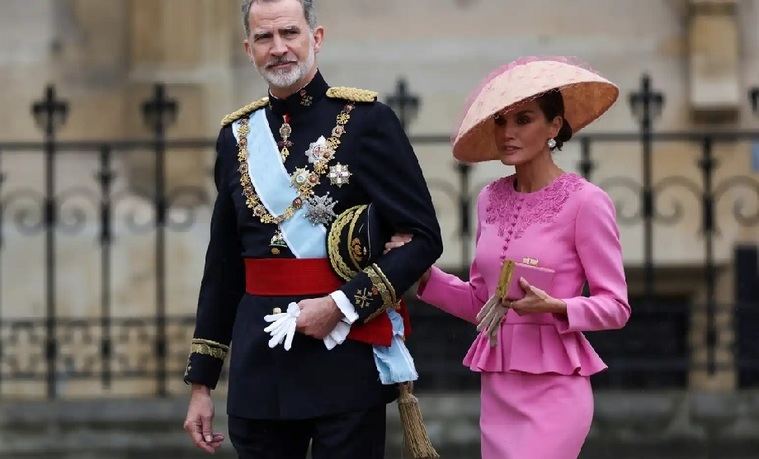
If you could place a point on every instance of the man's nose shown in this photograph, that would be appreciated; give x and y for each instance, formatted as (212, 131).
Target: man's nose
(278, 46)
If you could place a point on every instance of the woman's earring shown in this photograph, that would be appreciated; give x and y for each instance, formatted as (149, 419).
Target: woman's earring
(551, 144)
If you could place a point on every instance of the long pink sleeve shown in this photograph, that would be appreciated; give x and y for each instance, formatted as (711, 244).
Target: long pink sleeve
(454, 296)
(600, 252)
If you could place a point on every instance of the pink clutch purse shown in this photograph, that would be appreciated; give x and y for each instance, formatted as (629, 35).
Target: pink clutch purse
(511, 271)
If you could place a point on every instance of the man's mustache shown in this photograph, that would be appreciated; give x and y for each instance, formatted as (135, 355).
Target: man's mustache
(280, 61)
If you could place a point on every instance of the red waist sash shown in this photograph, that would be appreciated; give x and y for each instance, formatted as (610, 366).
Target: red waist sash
(314, 276)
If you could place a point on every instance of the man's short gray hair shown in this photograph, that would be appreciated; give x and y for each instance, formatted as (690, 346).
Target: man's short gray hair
(308, 11)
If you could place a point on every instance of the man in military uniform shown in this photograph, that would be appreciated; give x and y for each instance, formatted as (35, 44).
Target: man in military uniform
(287, 166)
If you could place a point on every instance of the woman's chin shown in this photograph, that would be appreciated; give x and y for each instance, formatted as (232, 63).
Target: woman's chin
(511, 160)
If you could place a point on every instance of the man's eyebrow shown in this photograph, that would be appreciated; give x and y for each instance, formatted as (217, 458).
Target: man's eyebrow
(268, 32)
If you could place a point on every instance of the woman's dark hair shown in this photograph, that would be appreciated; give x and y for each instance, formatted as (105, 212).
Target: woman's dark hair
(551, 103)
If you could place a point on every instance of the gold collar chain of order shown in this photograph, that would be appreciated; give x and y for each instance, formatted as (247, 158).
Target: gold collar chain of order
(305, 189)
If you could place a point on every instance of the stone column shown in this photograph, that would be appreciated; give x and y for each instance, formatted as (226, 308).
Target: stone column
(714, 61)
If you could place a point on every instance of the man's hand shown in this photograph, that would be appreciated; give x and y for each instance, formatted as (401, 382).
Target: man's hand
(198, 423)
(318, 317)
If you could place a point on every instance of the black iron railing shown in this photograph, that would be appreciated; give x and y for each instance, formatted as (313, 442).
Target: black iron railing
(652, 351)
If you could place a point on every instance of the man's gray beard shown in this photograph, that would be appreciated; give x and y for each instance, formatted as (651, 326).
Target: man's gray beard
(287, 79)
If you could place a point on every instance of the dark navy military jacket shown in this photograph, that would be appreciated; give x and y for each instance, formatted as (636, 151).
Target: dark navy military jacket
(309, 380)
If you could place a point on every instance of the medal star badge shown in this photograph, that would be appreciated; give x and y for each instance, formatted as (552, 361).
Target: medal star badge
(277, 243)
(317, 150)
(362, 298)
(320, 210)
(339, 175)
(299, 178)
(305, 99)
(278, 240)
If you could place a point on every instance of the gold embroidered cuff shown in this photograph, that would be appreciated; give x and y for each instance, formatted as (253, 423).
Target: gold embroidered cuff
(210, 348)
(384, 287)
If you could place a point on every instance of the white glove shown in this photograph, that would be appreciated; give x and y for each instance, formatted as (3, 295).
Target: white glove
(489, 319)
(282, 326)
(329, 343)
(337, 335)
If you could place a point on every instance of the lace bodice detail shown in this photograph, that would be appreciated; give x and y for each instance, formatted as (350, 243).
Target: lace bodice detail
(514, 212)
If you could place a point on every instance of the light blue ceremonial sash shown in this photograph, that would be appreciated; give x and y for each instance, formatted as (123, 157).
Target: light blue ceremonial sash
(273, 187)
(394, 363)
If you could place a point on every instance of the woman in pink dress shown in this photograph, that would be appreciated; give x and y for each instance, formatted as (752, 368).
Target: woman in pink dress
(536, 397)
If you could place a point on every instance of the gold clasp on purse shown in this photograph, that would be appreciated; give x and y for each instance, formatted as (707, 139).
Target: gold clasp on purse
(530, 261)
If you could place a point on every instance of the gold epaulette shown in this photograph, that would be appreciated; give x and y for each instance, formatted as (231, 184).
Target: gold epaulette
(352, 94)
(251, 107)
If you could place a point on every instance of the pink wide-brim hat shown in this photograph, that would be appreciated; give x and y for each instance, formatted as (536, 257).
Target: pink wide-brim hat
(587, 95)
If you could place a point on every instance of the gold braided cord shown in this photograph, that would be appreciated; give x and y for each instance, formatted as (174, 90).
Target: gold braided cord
(251, 107)
(305, 191)
(352, 94)
(333, 244)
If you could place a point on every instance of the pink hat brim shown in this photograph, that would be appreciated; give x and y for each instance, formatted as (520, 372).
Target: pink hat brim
(587, 95)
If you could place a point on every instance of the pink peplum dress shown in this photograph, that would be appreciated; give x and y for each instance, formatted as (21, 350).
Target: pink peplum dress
(536, 398)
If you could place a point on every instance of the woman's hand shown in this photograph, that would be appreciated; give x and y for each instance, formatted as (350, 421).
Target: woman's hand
(398, 240)
(536, 301)
(425, 277)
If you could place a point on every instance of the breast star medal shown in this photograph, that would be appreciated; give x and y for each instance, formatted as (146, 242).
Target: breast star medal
(339, 175)
(318, 151)
(320, 210)
(303, 179)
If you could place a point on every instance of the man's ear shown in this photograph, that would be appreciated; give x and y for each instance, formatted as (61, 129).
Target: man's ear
(248, 49)
(318, 38)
